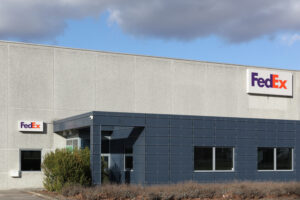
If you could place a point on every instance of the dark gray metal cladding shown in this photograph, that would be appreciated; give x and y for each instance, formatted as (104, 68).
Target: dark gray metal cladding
(163, 145)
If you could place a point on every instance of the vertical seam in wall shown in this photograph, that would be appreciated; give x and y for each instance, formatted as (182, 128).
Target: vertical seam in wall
(145, 182)
(215, 130)
(53, 112)
(134, 93)
(169, 150)
(172, 86)
(95, 82)
(7, 93)
(193, 147)
(7, 76)
(53, 79)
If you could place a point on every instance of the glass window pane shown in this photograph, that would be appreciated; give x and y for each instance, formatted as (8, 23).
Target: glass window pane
(128, 150)
(203, 158)
(128, 162)
(105, 145)
(224, 159)
(69, 143)
(284, 158)
(105, 159)
(265, 158)
(31, 160)
(75, 144)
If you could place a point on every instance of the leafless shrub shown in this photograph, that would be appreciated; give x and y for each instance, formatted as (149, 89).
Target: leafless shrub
(188, 190)
(72, 190)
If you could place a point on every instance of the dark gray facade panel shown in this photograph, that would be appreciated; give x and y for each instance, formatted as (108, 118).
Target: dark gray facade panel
(203, 132)
(158, 131)
(95, 153)
(164, 150)
(157, 122)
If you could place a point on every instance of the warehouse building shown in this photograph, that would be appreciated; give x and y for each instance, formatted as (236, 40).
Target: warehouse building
(153, 120)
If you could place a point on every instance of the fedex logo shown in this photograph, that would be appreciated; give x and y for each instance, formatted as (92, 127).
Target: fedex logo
(30, 126)
(272, 82)
(269, 82)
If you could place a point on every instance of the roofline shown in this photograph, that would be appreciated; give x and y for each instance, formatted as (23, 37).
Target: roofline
(73, 117)
(147, 56)
(97, 113)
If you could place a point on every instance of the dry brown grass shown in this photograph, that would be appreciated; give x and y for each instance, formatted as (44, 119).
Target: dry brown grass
(188, 190)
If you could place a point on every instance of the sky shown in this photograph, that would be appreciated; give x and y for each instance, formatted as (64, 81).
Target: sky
(259, 33)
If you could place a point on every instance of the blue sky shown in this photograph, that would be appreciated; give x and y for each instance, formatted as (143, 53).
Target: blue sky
(119, 29)
(99, 34)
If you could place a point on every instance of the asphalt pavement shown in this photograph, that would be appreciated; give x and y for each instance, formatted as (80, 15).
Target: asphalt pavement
(19, 195)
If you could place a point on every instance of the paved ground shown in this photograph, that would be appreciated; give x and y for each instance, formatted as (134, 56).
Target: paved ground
(18, 195)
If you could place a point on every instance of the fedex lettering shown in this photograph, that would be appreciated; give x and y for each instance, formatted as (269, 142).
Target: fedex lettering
(272, 82)
(30, 126)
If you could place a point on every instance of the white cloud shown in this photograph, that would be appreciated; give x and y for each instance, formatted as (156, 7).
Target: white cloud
(290, 39)
(233, 20)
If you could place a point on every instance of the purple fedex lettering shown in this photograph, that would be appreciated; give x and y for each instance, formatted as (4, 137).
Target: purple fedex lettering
(253, 78)
(269, 81)
(23, 125)
(262, 82)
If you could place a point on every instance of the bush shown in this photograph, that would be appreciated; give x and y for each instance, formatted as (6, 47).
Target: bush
(64, 167)
(189, 190)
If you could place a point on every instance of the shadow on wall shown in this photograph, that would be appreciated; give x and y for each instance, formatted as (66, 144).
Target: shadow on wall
(115, 175)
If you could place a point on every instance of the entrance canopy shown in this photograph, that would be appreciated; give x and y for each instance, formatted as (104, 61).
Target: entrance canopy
(121, 129)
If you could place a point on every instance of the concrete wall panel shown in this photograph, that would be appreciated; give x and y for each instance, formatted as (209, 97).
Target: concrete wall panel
(189, 87)
(30, 77)
(74, 84)
(3, 125)
(115, 83)
(3, 165)
(3, 178)
(28, 180)
(153, 85)
(3, 74)
(13, 160)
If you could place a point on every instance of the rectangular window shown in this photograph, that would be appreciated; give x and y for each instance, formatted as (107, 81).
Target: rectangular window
(73, 143)
(106, 159)
(128, 162)
(213, 158)
(224, 159)
(105, 145)
(274, 158)
(265, 158)
(203, 158)
(284, 158)
(128, 159)
(30, 160)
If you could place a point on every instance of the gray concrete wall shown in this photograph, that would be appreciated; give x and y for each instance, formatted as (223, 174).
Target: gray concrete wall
(48, 83)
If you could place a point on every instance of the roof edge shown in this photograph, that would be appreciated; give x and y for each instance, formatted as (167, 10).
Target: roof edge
(146, 56)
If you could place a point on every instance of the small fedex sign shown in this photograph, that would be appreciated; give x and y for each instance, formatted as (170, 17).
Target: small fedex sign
(269, 82)
(30, 126)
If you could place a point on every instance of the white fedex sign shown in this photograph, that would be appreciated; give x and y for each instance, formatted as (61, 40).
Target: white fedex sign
(269, 82)
(31, 126)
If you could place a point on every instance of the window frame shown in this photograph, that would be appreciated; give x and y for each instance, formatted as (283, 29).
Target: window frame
(20, 160)
(128, 154)
(109, 152)
(214, 159)
(275, 161)
(72, 139)
(108, 156)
